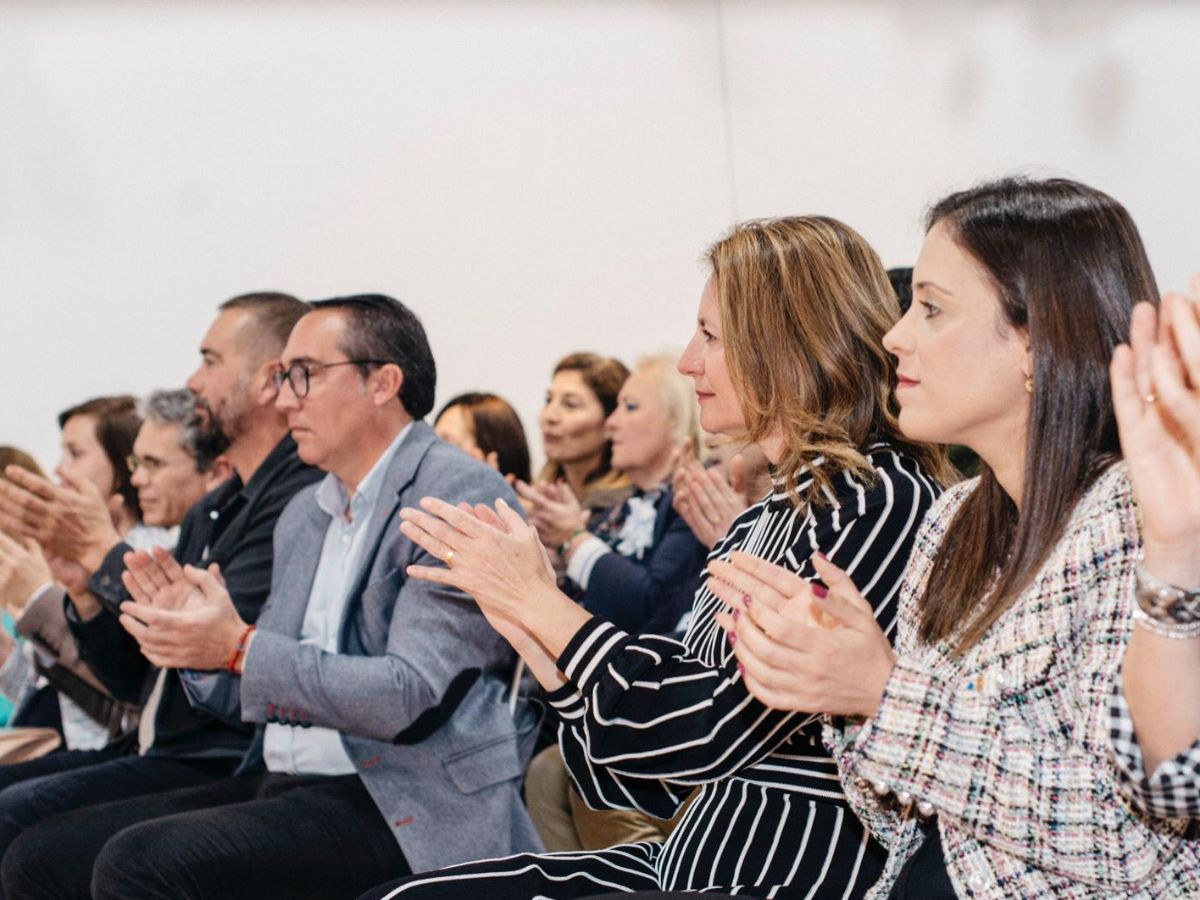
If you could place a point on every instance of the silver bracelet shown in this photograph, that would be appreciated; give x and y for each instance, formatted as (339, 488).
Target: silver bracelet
(1165, 603)
(1162, 629)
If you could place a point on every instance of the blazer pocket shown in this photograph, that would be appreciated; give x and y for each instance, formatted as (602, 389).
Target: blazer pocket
(488, 764)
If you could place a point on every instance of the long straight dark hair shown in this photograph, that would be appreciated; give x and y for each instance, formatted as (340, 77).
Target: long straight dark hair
(1068, 265)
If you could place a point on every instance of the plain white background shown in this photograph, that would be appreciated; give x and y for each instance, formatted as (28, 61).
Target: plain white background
(531, 177)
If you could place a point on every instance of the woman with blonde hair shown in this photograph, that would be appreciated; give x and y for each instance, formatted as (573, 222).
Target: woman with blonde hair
(787, 351)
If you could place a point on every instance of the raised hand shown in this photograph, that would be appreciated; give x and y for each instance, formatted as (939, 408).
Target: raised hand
(800, 646)
(1156, 397)
(71, 520)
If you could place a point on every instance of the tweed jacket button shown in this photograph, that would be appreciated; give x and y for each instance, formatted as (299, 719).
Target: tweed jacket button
(882, 788)
(977, 882)
(925, 809)
(904, 798)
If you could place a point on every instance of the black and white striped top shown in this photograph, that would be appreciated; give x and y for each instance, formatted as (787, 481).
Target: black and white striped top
(646, 718)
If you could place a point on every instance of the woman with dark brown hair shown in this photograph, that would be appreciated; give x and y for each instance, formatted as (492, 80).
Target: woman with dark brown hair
(977, 750)
(488, 428)
(787, 352)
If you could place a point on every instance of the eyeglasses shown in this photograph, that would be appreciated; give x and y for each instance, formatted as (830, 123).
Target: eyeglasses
(152, 464)
(298, 373)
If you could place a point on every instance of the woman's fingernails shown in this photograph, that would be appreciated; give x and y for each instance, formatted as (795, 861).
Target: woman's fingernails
(746, 598)
(821, 556)
(819, 590)
(731, 637)
(741, 669)
(736, 613)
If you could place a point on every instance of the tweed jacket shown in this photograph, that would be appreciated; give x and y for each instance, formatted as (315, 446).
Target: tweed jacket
(418, 686)
(1008, 744)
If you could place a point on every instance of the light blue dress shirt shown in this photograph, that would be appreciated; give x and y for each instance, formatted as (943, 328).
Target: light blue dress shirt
(314, 750)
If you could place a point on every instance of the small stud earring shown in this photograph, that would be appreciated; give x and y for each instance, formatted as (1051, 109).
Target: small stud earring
(1029, 385)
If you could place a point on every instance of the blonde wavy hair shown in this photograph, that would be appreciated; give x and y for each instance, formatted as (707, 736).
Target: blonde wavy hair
(804, 304)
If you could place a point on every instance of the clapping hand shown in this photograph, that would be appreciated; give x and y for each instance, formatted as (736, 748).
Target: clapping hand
(23, 570)
(708, 499)
(800, 646)
(181, 616)
(553, 511)
(71, 520)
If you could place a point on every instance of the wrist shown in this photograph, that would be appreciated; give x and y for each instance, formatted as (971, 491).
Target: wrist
(572, 541)
(1176, 564)
(241, 645)
(93, 555)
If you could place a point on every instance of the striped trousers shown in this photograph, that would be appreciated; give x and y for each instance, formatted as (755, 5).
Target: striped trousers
(739, 837)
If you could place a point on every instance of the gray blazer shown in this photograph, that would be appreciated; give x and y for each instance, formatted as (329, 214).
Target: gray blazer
(418, 687)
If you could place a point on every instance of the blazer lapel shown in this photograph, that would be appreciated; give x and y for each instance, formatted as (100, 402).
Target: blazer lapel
(304, 546)
(383, 520)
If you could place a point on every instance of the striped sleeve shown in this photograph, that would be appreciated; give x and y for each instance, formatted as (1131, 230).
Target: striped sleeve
(649, 707)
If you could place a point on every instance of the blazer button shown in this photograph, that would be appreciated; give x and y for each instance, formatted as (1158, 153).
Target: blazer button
(924, 809)
(882, 788)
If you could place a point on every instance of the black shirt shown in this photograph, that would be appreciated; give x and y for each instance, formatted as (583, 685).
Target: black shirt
(232, 526)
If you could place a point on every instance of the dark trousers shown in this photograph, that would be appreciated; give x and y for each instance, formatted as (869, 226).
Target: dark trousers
(33, 791)
(247, 837)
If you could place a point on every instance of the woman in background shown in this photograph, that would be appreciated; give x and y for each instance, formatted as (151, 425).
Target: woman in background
(638, 567)
(581, 396)
(489, 429)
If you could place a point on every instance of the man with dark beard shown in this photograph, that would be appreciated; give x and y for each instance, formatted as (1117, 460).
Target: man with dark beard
(229, 530)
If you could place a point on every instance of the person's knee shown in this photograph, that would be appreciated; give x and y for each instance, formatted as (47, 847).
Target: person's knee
(36, 864)
(139, 861)
(21, 806)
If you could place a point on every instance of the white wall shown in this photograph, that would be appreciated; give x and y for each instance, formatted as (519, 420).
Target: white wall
(531, 177)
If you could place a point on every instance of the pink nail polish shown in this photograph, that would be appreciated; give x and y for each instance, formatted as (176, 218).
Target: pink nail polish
(819, 590)
(746, 598)
(741, 669)
(732, 638)
(736, 613)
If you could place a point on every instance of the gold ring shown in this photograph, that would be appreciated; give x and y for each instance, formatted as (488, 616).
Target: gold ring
(449, 559)
(1150, 398)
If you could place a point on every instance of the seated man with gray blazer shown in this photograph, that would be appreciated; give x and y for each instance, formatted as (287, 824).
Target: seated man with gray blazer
(389, 742)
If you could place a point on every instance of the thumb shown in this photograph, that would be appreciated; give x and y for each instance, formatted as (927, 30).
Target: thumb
(493, 460)
(214, 569)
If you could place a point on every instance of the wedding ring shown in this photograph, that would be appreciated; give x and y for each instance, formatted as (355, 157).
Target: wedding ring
(448, 559)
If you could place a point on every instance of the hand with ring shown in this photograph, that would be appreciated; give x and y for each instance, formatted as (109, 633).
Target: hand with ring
(497, 558)
(800, 646)
(1156, 398)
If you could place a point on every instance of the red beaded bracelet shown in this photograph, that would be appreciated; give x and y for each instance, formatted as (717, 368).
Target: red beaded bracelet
(239, 650)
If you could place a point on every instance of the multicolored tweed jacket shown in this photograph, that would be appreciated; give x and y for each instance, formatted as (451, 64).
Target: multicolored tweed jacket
(1008, 745)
